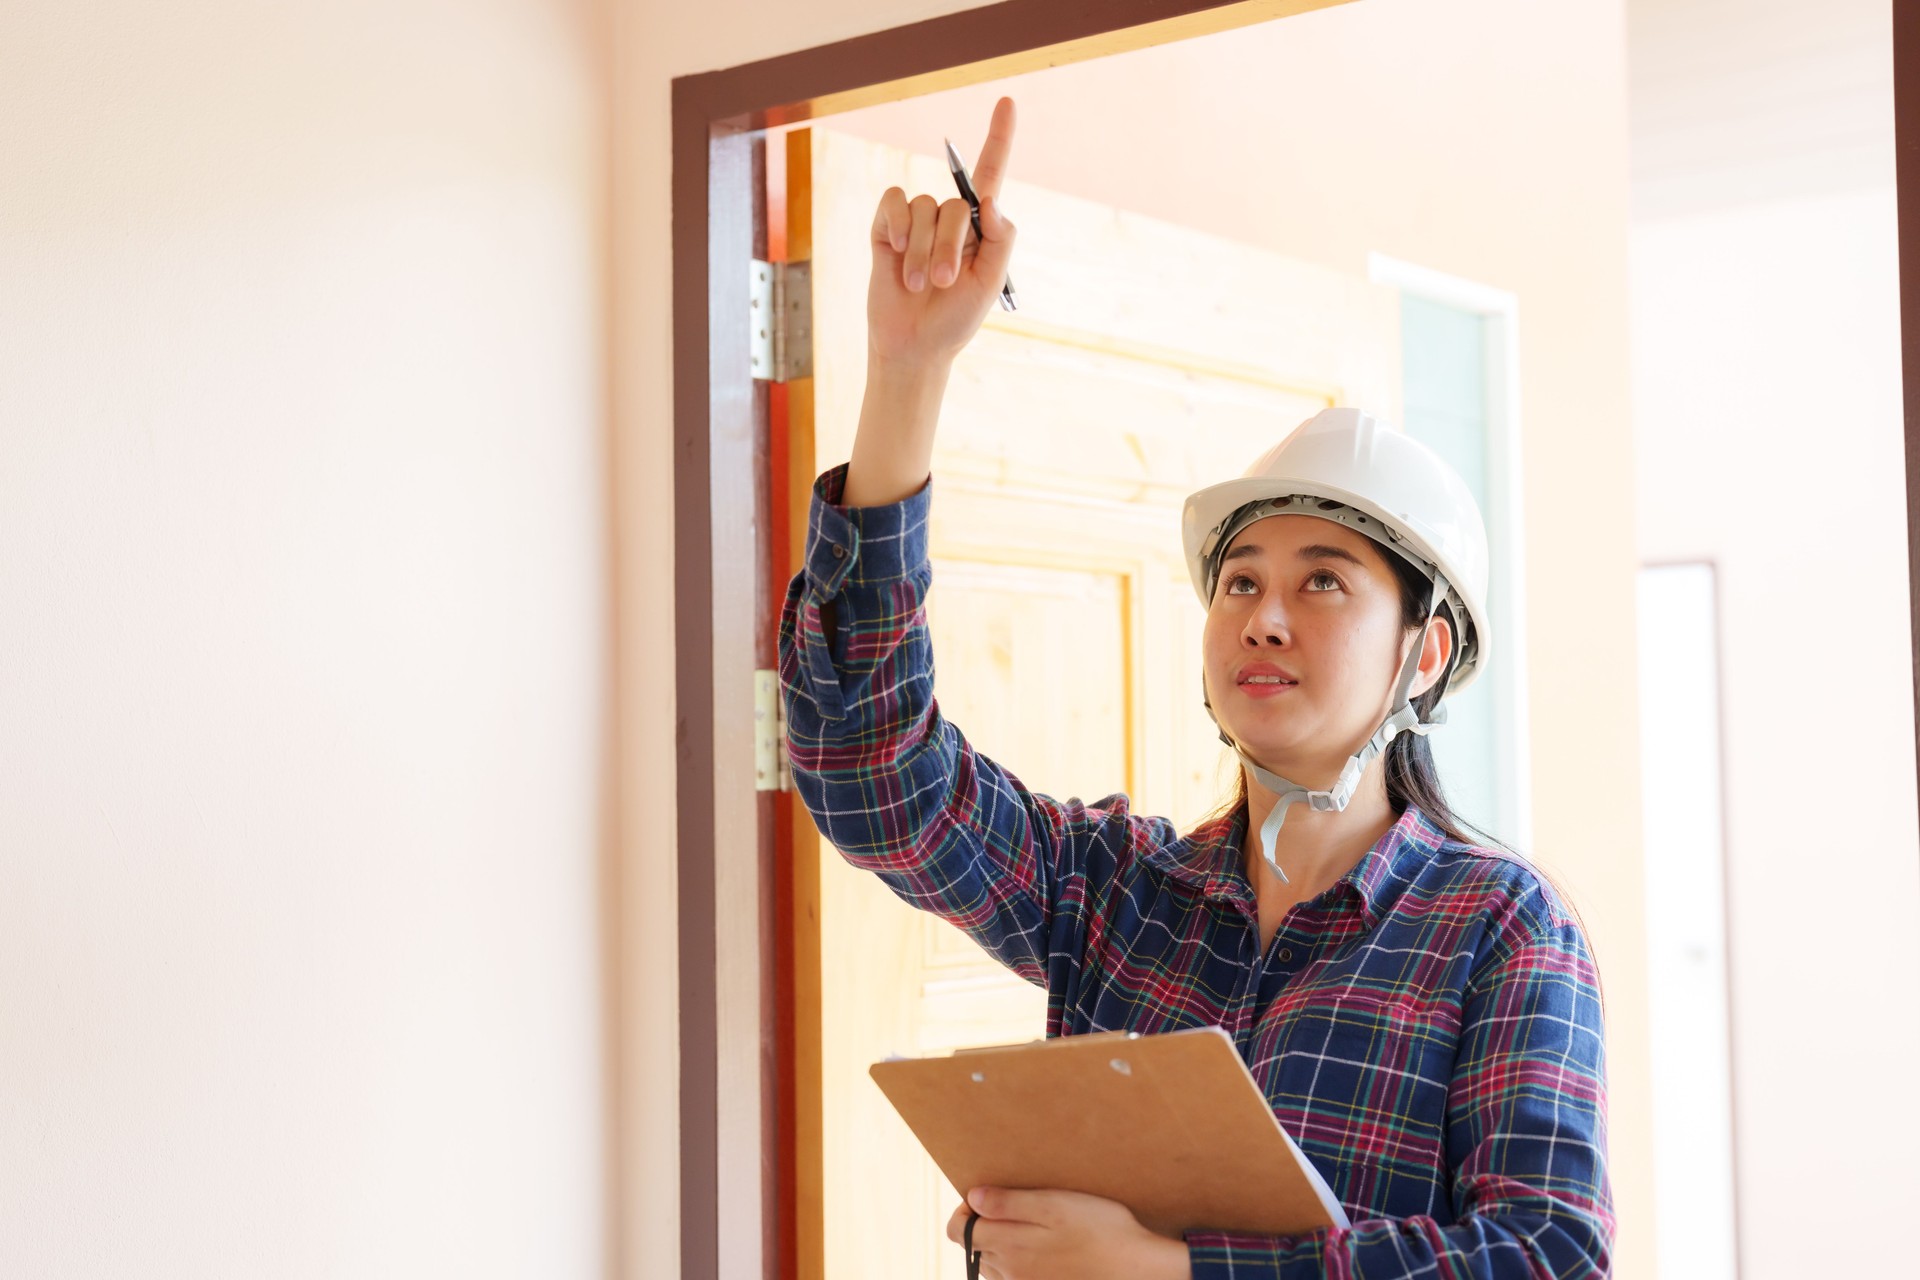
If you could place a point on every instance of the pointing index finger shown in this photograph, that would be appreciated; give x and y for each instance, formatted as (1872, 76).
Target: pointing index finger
(991, 168)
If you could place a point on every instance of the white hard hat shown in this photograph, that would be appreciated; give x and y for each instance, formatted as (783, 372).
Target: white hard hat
(1401, 494)
(1345, 466)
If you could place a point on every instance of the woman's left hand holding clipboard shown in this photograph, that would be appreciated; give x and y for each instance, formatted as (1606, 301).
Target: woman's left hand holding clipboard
(1063, 1235)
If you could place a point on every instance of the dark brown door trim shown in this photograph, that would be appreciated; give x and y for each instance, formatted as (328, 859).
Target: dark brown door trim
(1906, 131)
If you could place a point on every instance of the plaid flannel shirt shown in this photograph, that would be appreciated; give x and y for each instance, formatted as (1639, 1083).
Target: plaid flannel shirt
(1428, 1029)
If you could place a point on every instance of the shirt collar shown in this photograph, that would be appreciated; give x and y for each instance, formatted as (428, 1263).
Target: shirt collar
(1208, 859)
(1385, 870)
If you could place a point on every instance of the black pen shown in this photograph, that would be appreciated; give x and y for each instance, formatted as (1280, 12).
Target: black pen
(973, 202)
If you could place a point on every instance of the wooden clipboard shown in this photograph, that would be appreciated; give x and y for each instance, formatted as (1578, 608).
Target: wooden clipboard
(1173, 1126)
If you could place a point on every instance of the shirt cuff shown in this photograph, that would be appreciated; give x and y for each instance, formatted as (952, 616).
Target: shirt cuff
(867, 546)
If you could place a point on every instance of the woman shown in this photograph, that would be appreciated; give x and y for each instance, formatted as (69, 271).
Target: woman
(1421, 1011)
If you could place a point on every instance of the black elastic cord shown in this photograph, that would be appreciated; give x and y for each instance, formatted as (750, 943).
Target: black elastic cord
(973, 1259)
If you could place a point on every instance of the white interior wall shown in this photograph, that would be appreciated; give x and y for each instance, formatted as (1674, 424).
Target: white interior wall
(1768, 420)
(1737, 102)
(1764, 394)
(303, 584)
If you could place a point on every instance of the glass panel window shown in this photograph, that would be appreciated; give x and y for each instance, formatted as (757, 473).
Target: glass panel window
(1444, 372)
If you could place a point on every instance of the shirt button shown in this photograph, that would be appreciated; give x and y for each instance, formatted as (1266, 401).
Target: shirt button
(1286, 953)
(839, 552)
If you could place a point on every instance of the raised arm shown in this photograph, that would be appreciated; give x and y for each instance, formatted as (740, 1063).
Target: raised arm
(895, 786)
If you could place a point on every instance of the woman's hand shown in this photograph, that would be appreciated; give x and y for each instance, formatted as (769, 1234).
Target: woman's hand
(933, 280)
(1064, 1235)
(914, 332)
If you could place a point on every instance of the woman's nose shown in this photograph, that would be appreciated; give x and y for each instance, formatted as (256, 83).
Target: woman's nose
(1265, 625)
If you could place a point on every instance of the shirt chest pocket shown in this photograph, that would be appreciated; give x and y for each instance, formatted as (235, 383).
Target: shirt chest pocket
(1363, 1053)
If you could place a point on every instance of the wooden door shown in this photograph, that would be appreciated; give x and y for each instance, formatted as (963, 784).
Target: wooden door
(1146, 360)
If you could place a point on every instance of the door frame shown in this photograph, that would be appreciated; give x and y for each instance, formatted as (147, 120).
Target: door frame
(730, 1046)
(728, 1040)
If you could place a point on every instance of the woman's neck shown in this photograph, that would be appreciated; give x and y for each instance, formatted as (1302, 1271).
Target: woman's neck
(1316, 847)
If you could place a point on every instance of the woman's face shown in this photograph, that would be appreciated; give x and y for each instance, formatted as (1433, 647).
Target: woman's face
(1317, 603)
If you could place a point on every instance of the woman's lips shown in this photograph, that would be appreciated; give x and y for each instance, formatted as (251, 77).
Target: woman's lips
(1264, 689)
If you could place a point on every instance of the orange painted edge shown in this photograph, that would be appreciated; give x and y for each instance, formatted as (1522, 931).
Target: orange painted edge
(801, 839)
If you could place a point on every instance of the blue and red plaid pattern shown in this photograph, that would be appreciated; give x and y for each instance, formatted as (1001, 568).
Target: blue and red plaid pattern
(1428, 1029)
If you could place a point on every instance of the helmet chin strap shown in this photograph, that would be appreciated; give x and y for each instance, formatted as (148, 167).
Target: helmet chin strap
(1334, 799)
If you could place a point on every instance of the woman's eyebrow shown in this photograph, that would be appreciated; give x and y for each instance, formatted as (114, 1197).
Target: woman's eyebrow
(1320, 551)
(1312, 551)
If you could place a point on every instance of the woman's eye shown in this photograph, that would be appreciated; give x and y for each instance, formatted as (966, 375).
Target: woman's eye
(1234, 582)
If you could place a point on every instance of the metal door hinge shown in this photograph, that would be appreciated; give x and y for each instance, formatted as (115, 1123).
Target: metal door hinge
(770, 768)
(781, 312)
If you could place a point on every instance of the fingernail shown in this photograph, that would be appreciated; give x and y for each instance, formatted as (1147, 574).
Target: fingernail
(917, 281)
(943, 275)
(899, 244)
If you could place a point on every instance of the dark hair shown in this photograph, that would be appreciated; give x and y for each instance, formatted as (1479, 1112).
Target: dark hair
(1411, 776)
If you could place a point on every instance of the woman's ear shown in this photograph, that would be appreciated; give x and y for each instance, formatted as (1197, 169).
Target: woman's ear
(1436, 648)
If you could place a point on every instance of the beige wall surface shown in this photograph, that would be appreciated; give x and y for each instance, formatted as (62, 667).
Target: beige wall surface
(1741, 102)
(303, 584)
(1486, 139)
(1767, 387)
